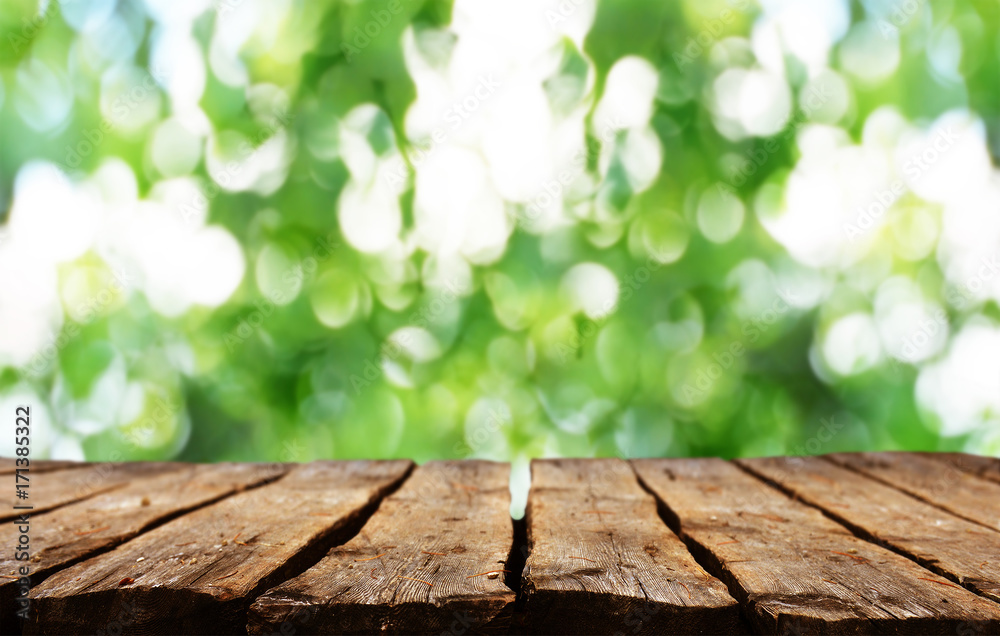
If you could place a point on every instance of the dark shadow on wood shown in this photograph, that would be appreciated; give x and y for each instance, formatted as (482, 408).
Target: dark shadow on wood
(519, 552)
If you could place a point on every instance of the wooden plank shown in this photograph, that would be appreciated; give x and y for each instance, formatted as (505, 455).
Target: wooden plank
(962, 551)
(76, 531)
(936, 482)
(418, 565)
(9, 464)
(978, 465)
(796, 571)
(53, 489)
(601, 559)
(198, 573)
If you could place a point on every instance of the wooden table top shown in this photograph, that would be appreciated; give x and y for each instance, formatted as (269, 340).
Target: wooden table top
(893, 543)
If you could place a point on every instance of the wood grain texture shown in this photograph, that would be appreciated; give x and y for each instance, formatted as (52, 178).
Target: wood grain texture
(50, 490)
(985, 467)
(796, 571)
(962, 551)
(936, 482)
(198, 573)
(601, 560)
(416, 567)
(9, 464)
(78, 530)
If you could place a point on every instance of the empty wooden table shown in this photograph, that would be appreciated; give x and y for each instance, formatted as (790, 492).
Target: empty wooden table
(893, 543)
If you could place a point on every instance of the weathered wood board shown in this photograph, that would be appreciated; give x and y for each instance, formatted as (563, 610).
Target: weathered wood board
(49, 490)
(78, 530)
(960, 550)
(429, 561)
(601, 560)
(985, 467)
(199, 572)
(796, 571)
(938, 483)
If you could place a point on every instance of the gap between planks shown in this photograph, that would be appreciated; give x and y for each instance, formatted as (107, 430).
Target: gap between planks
(772, 602)
(230, 616)
(131, 511)
(433, 543)
(906, 545)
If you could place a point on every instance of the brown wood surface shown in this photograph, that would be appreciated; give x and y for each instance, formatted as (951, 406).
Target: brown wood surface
(985, 467)
(960, 550)
(198, 573)
(601, 560)
(418, 566)
(9, 464)
(796, 571)
(848, 543)
(78, 530)
(936, 482)
(49, 490)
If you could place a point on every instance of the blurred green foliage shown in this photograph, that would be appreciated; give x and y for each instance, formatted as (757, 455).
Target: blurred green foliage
(702, 354)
